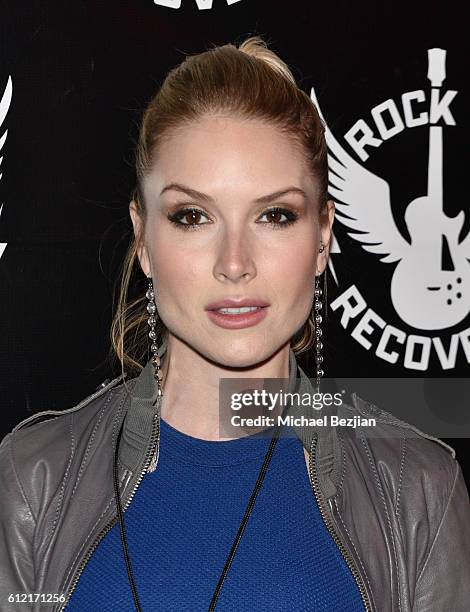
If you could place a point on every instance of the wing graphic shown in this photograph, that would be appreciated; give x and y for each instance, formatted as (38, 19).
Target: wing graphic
(4, 106)
(362, 200)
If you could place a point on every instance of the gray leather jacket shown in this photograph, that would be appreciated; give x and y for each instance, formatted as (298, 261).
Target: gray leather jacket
(395, 504)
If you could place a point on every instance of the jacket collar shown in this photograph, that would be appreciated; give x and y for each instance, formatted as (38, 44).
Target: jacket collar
(136, 435)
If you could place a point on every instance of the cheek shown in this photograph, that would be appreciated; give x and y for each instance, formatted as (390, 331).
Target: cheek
(292, 268)
(300, 292)
(296, 284)
(179, 269)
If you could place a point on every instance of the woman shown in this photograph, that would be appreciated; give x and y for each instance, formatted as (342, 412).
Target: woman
(230, 212)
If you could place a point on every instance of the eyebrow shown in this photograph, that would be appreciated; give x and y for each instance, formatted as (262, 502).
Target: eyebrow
(206, 198)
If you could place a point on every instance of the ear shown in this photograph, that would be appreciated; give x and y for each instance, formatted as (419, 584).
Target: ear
(137, 223)
(326, 223)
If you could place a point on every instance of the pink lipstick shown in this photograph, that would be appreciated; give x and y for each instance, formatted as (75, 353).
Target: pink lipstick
(233, 313)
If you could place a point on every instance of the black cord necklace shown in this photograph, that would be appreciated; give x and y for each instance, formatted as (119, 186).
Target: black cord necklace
(241, 529)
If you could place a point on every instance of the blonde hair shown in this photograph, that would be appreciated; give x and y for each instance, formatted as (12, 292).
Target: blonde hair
(250, 81)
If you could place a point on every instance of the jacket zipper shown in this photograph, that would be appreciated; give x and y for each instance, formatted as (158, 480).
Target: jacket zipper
(326, 519)
(150, 457)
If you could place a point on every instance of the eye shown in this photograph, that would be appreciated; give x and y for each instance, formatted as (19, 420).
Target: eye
(188, 218)
(193, 214)
(275, 213)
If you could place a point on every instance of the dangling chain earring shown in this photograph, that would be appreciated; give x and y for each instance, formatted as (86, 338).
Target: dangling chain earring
(152, 309)
(152, 320)
(318, 332)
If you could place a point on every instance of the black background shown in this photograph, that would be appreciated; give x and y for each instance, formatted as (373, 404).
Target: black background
(82, 73)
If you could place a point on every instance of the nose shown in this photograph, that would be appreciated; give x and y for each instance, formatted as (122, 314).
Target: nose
(234, 259)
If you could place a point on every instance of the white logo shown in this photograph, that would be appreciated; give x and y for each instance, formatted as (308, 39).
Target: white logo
(201, 4)
(430, 287)
(4, 106)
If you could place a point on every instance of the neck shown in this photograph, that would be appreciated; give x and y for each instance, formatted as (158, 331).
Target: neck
(190, 387)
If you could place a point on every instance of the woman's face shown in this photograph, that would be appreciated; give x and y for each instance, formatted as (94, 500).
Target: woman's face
(229, 171)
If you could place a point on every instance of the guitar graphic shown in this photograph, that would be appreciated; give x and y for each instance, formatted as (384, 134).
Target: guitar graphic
(430, 286)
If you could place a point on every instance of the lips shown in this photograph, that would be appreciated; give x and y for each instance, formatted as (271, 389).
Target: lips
(238, 318)
(237, 303)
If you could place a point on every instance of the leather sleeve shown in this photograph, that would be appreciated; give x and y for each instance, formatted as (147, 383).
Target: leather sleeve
(17, 526)
(444, 580)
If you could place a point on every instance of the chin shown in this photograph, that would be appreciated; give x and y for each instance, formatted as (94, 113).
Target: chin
(243, 353)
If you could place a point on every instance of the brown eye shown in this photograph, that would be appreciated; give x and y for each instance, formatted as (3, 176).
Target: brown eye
(274, 216)
(187, 218)
(192, 217)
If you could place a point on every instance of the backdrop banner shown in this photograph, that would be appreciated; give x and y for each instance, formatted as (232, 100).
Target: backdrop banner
(391, 83)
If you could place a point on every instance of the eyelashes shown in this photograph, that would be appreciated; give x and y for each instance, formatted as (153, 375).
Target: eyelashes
(177, 217)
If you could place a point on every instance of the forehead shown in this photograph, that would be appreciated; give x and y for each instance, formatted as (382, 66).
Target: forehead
(221, 154)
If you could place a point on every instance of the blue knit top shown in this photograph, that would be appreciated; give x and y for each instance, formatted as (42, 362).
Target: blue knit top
(182, 522)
